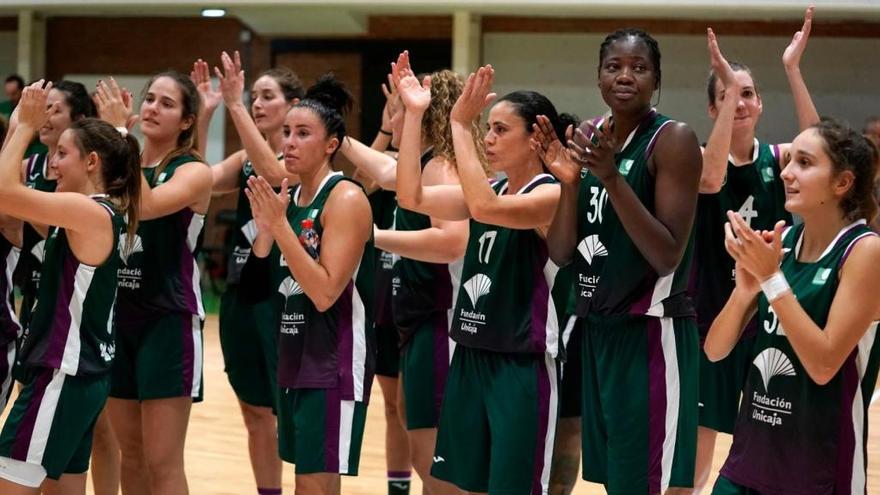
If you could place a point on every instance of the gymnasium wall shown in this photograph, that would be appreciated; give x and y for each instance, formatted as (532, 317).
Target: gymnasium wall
(842, 74)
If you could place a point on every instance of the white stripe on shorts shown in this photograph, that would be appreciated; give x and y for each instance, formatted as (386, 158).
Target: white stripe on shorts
(673, 397)
(197, 355)
(45, 416)
(6, 387)
(346, 418)
(552, 417)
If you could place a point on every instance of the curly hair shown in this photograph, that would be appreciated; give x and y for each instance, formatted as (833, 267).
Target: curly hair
(446, 87)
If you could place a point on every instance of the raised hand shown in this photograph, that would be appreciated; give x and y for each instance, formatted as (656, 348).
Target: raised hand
(596, 155)
(388, 109)
(719, 64)
(32, 111)
(201, 77)
(792, 56)
(268, 208)
(552, 152)
(758, 253)
(114, 104)
(475, 96)
(231, 79)
(415, 96)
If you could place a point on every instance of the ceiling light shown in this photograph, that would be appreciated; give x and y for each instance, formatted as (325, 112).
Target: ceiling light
(213, 12)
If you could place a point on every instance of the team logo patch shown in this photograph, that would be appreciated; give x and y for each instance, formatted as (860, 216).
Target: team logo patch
(290, 287)
(477, 287)
(137, 246)
(772, 362)
(591, 247)
(822, 276)
(625, 166)
(162, 177)
(767, 174)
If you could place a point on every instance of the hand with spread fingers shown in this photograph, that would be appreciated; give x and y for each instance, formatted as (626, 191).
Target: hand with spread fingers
(268, 207)
(552, 152)
(201, 77)
(720, 66)
(792, 56)
(597, 154)
(231, 78)
(475, 97)
(114, 104)
(758, 253)
(390, 96)
(32, 111)
(416, 96)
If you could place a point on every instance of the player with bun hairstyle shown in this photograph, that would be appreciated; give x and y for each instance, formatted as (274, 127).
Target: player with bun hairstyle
(322, 292)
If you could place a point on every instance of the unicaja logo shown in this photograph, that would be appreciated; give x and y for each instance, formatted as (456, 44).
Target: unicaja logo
(137, 246)
(250, 231)
(477, 287)
(772, 362)
(289, 287)
(591, 248)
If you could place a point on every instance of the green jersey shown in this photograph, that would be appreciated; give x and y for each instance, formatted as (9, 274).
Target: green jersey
(160, 275)
(793, 435)
(33, 245)
(613, 277)
(504, 303)
(72, 329)
(754, 190)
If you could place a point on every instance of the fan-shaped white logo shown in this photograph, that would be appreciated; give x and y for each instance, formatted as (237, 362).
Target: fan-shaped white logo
(591, 248)
(39, 250)
(250, 231)
(477, 287)
(773, 362)
(137, 246)
(290, 287)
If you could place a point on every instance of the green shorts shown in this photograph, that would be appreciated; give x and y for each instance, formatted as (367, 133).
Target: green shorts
(51, 424)
(158, 359)
(721, 386)
(320, 432)
(640, 388)
(498, 422)
(388, 347)
(572, 370)
(724, 486)
(424, 368)
(249, 340)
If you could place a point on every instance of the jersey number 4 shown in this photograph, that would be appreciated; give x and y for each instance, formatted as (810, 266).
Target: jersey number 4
(748, 211)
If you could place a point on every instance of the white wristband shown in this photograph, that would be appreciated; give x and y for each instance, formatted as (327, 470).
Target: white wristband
(123, 131)
(775, 287)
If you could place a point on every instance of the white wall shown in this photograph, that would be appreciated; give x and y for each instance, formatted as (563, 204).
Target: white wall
(843, 75)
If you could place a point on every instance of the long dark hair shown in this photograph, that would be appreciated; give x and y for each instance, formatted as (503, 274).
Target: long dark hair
(330, 100)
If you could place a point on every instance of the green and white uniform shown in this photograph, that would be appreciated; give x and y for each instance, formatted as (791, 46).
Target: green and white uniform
(65, 362)
(499, 413)
(10, 328)
(640, 342)
(383, 205)
(792, 435)
(757, 192)
(248, 332)
(326, 360)
(160, 305)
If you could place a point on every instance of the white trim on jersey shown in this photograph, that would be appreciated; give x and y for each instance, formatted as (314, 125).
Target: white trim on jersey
(552, 418)
(346, 421)
(11, 263)
(45, 417)
(192, 238)
(72, 347)
(673, 397)
(797, 246)
(295, 198)
(358, 338)
(197, 355)
(662, 289)
(455, 279)
(865, 348)
(551, 328)
(528, 184)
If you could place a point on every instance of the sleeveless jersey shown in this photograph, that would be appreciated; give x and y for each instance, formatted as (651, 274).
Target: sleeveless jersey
(160, 275)
(613, 277)
(420, 289)
(334, 348)
(245, 228)
(504, 303)
(793, 436)
(9, 326)
(73, 329)
(33, 244)
(383, 205)
(757, 192)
